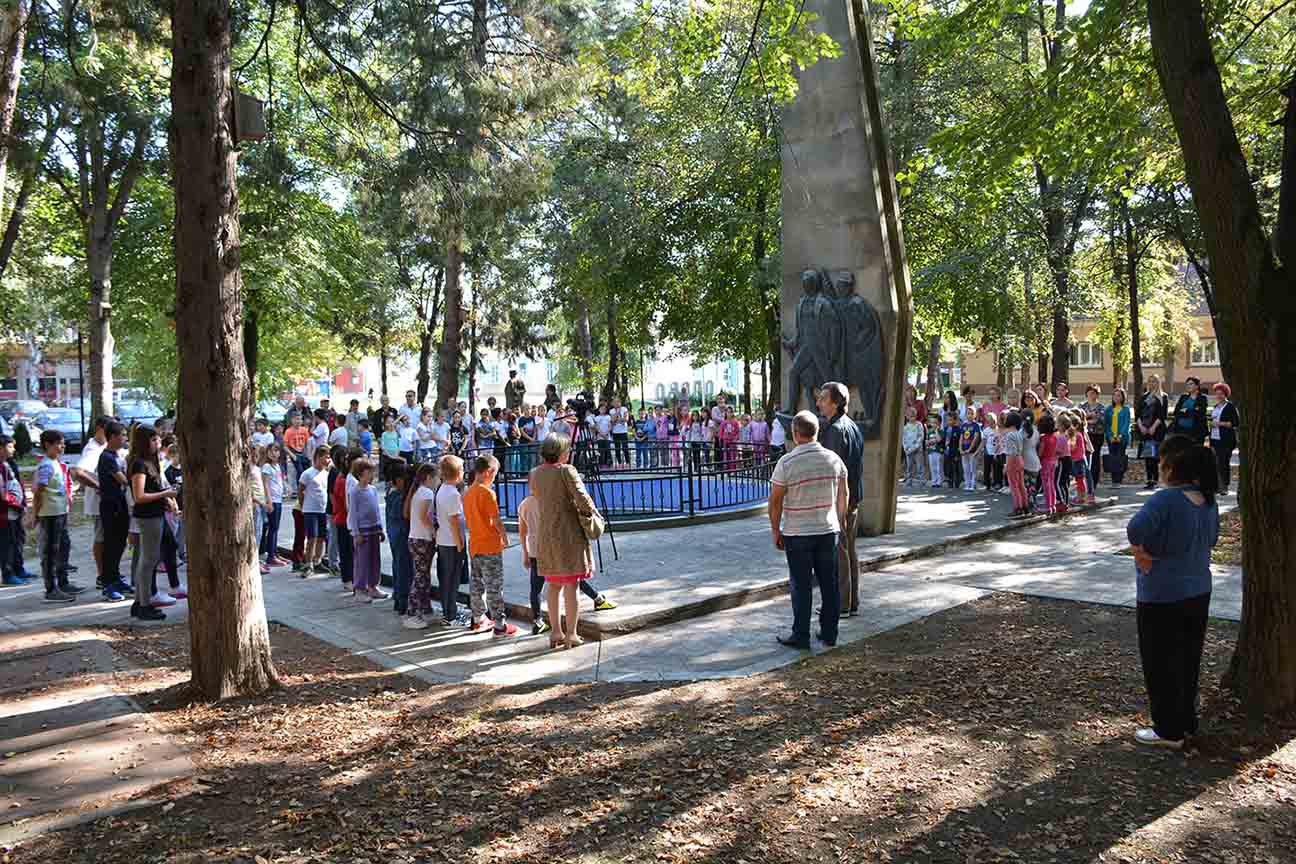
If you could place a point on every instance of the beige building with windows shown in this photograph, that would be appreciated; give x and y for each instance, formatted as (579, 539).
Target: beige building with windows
(1090, 364)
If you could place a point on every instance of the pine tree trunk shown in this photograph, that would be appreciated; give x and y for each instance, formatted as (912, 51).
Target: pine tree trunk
(452, 325)
(99, 265)
(13, 36)
(1256, 310)
(229, 639)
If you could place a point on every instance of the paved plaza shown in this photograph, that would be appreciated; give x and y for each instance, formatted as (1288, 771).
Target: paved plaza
(81, 752)
(702, 601)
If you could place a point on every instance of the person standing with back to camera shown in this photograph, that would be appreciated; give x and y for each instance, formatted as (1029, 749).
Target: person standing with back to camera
(840, 435)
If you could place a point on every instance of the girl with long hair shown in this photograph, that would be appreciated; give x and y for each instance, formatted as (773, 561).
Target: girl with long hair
(152, 501)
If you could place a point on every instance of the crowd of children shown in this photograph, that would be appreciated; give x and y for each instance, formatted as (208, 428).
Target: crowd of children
(1053, 449)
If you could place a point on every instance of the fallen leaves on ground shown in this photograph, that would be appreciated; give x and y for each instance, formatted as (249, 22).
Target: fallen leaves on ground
(996, 731)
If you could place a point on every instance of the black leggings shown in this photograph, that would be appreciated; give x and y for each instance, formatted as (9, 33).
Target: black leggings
(1062, 482)
(1223, 464)
(1095, 458)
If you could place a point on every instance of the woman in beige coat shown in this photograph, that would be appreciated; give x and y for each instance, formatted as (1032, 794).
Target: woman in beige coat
(563, 557)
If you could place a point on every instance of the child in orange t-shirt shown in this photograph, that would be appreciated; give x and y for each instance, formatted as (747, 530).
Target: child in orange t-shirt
(486, 542)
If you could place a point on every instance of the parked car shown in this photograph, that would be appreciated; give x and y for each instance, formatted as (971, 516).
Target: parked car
(270, 409)
(17, 410)
(65, 420)
(137, 411)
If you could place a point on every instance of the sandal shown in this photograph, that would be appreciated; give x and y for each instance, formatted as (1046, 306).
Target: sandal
(556, 643)
(575, 643)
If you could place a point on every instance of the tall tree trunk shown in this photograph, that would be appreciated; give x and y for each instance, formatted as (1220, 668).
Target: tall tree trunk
(1131, 279)
(382, 364)
(430, 315)
(452, 327)
(1001, 371)
(25, 190)
(746, 385)
(933, 371)
(614, 352)
(251, 349)
(99, 265)
(1257, 310)
(764, 401)
(229, 640)
(585, 344)
(13, 35)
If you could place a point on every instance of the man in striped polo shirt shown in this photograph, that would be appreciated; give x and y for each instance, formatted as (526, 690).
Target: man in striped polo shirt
(807, 508)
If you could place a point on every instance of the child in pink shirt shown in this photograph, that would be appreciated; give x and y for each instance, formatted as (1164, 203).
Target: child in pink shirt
(1048, 453)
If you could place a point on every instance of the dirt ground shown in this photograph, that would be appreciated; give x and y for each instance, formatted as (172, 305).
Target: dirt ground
(996, 731)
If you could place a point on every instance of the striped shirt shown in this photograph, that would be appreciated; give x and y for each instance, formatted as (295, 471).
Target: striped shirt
(811, 475)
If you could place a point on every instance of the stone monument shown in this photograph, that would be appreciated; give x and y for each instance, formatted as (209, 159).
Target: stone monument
(846, 308)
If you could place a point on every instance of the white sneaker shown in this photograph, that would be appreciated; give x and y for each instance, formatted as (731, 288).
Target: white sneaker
(1152, 739)
(414, 622)
(378, 594)
(161, 599)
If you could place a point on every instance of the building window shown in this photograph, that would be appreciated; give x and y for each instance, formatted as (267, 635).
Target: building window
(710, 391)
(492, 373)
(1086, 355)
(522, 370)
(661, 392)
(1205, 353)
(674, 391)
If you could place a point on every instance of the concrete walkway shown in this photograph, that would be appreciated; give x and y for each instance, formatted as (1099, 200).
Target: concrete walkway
(1072, 559)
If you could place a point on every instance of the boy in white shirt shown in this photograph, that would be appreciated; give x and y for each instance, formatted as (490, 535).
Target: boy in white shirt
(449, 535)
(313, 486)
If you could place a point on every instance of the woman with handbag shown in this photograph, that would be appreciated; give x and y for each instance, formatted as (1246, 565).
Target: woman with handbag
(566, 523)
(1152, 428)
(1117, 431)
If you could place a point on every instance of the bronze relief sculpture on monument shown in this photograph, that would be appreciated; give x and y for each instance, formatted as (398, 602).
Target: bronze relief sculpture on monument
(838, 338)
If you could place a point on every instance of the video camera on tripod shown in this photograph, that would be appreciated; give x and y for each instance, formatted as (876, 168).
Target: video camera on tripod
(580, 405)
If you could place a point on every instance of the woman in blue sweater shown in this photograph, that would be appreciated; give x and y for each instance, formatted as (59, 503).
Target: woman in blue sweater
(1172, 536)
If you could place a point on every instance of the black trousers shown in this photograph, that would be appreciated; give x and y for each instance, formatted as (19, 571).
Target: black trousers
(622, 441)
(346, 553)
(1223, 463)
(1095, 458)
(1171, 636)
(116, 526)
(449, 562)
(53, 530)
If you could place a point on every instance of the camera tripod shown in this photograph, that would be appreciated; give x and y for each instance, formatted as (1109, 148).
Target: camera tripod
(584, 449)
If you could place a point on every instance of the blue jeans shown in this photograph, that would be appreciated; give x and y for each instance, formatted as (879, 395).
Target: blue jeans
(402, 565)
(813, 559)
(270, 536)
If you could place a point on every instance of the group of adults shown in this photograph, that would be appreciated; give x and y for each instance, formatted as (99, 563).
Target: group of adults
(1116, 424)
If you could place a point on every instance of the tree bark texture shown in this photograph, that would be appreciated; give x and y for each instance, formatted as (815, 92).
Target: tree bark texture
(14, 224)
(229, 640)
(585, 344)
(1131, 278)
(251, 350)
(1257, 310)
(13, 36)
(430, 314)
(452, 327)
(615, 360)
(99, 265)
